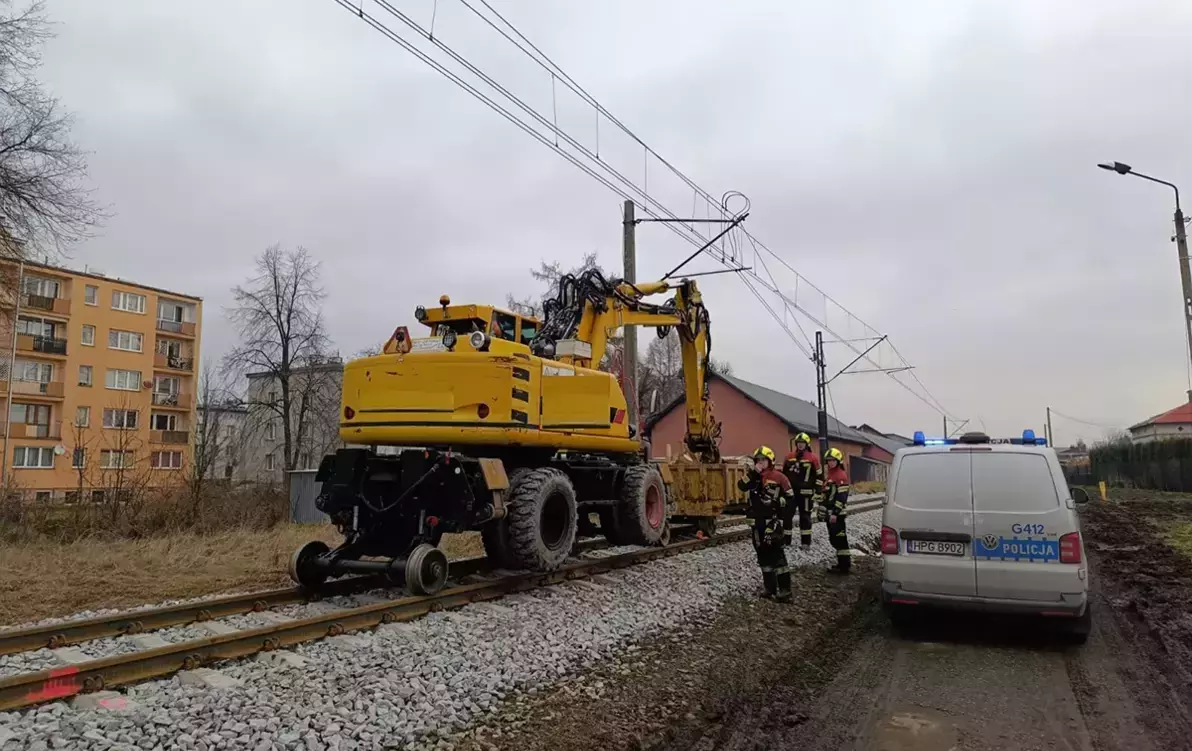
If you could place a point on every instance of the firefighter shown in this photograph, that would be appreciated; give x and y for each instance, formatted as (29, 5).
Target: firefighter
(802, 468)
(835, 508)
(769, 495)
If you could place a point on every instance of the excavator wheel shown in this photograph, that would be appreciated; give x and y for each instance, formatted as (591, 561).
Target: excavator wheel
(542, 519)
(642, 512)
(498, 546)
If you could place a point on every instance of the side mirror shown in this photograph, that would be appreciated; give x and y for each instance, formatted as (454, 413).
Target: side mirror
(1080, 495)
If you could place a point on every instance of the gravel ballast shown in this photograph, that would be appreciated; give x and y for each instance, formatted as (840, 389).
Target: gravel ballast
(418, 684)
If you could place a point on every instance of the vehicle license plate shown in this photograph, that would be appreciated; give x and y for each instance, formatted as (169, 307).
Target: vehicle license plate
(935, 547)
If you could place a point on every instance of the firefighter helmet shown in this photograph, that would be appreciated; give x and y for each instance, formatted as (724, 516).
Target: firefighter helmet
(834, 453)
(804, 438)
(763, 452)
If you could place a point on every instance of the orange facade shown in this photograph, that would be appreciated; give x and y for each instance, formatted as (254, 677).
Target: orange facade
(98, 376)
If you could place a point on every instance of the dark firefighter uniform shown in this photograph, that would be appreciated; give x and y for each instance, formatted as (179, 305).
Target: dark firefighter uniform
(835, 505)
(802, 468)
(769, 495)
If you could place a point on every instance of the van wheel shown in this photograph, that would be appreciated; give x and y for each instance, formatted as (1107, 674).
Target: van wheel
(1077, 631)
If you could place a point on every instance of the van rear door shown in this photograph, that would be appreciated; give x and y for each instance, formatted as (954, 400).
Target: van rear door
(931, 508)
(1019, 520)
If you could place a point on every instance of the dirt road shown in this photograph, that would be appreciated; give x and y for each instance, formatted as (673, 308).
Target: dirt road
(833, 673)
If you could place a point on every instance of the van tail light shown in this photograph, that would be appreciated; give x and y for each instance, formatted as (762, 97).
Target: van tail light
(889, 541)
(1070, 548)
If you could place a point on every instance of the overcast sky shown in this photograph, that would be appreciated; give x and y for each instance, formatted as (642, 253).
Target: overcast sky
(931, 165)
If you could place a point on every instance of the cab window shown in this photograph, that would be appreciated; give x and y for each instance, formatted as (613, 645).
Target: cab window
(934, 481)
(505, 326)
(529, 330)
(461, 326)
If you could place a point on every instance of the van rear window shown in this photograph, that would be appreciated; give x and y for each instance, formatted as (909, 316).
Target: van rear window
(938, 482)
(1006, 481)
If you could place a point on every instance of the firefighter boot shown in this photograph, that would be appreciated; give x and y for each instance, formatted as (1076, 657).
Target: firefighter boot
(784, 587)
(769, 578)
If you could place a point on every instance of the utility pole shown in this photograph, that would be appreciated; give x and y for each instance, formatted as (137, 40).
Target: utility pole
(821, 391)
(1050, 435)
(629, 356)
(1181, 245)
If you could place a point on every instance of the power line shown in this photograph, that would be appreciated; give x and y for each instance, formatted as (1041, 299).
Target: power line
(540, 125)
(1089, 423)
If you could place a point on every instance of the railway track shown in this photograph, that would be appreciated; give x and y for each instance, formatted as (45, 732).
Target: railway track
(31, 688)
(127, 623)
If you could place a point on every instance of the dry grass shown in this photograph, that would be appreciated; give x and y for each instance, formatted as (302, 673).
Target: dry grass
(45, 579)
(1180, 537)
(868, 487)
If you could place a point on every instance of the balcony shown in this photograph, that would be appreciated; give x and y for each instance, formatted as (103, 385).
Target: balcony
(56, 305)
(26, 431)
(45, 345)
(174, 437)
(179, 400)
(46, 389)
(173, 362)
(182, 328)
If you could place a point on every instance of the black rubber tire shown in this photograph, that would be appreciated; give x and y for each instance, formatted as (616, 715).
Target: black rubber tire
(608, 525)
(498, 546)
(642, 511)
(1078, 630)
(542, 519)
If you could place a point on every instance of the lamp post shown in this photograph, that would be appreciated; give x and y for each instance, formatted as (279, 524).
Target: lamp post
(1181, 244)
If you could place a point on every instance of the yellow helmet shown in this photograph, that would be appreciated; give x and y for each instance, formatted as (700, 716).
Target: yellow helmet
(834, 453)
(804, 438)
(763, 452)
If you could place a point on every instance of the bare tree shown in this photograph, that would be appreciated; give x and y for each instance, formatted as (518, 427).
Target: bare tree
(43, 204)
(124, 464)
(549, 274)
(218, 434)
(279, 316)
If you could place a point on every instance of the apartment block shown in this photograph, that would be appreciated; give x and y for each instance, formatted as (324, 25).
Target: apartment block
(99, 379)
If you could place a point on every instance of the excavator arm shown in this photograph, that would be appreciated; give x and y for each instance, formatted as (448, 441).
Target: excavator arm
(590, 309)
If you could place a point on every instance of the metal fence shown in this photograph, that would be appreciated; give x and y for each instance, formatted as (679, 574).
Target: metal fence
(303, 491)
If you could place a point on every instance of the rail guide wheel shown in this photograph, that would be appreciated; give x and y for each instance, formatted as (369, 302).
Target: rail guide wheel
(302, 567)
(425, 571)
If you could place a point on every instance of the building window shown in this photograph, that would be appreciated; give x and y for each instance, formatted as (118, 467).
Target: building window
(269, 462)
(270, 432)
(115, 459)
(83, 417)
(129, 341)
(84, 375)
(128, 301)
(124, 380)
(97, 496)
(38, 327)
(33, 457)
(88, 335)
(70, 497)
(272, 397)
(91, 294)
(43, 496)
(122, 419)
(79, 460)
(163, 421)
(166, 460)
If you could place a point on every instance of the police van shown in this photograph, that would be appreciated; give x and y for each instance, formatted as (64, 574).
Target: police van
(984, 524)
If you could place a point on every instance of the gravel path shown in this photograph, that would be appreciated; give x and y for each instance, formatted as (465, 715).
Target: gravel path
(415, 684)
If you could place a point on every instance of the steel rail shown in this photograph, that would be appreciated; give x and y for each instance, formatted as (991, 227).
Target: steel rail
(65, 633)
(29, 689)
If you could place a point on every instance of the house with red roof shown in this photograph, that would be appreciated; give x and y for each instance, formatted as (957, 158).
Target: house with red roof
(1174, 423)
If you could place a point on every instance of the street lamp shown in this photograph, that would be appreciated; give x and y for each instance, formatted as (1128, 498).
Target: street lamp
(1181, 244)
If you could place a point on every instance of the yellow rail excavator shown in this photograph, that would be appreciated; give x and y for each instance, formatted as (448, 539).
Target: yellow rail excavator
(506, 425)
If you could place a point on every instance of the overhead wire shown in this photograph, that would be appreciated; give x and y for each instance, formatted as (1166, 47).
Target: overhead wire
(628, 190)
(1089, 423)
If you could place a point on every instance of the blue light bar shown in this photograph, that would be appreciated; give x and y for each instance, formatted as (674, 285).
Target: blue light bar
(919, 439)
(1028, 436)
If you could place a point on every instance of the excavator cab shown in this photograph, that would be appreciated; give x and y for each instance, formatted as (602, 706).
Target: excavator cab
(465, 328)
